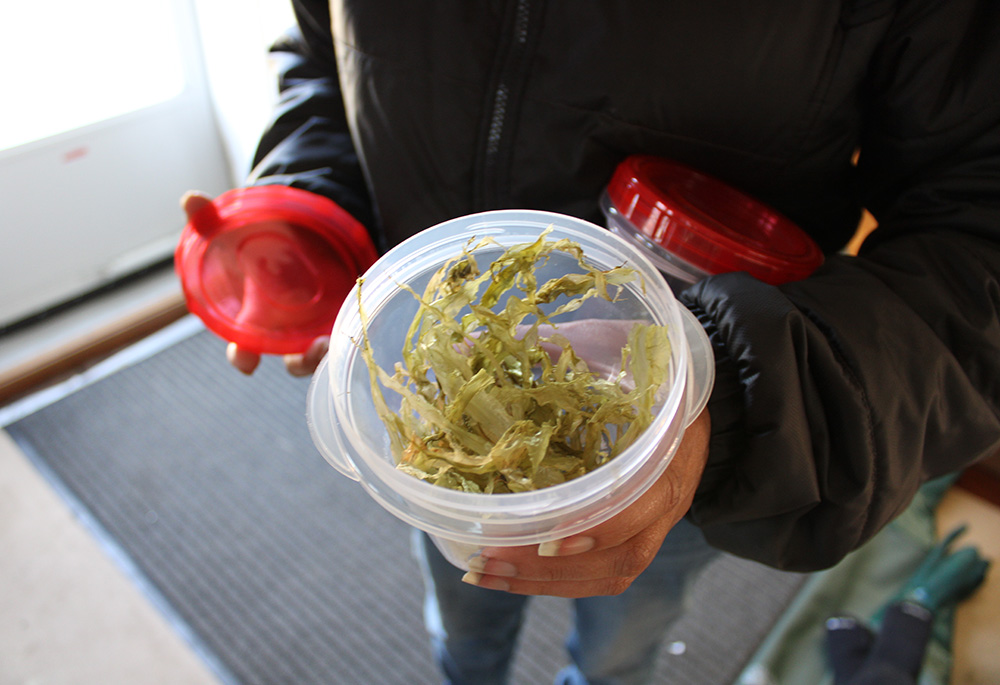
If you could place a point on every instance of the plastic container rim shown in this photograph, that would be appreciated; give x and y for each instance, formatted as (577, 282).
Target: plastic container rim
(473, 507)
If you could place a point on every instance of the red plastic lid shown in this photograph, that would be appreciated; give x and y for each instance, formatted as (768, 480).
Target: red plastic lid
(268, 267)
(710, 224)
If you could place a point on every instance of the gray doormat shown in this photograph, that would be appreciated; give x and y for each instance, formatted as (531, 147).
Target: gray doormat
(205, 486)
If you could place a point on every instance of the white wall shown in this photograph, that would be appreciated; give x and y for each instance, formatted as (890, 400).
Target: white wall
(143, 102)
(235, 36)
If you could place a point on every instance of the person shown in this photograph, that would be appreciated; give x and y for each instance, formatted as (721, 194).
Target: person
(835, 397)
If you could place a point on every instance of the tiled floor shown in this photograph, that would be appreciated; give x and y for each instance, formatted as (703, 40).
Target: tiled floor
(70, 614)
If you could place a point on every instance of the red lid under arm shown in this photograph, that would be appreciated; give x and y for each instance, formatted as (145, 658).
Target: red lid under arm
(710, 224)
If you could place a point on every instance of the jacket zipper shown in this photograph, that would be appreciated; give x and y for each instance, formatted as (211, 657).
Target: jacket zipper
(507, 79)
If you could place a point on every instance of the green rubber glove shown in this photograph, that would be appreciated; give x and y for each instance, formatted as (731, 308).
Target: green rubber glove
(946, 577)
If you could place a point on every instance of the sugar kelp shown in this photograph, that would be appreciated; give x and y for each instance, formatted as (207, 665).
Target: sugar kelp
(494, 399)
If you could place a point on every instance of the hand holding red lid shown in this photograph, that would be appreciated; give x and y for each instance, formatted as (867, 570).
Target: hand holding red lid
(267, 269)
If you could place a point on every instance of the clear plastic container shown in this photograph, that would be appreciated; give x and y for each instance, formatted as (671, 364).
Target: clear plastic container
(351, 436)
(691, 225)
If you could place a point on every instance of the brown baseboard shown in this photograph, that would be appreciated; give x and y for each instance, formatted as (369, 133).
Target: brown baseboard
(55, 364)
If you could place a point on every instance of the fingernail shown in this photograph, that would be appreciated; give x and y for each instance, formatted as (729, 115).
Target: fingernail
(296, 365)
(567, 547)
(492, 567)
(244, 362)
(487, 582)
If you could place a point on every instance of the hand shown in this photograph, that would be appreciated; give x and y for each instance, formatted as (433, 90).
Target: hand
(607, 558)
(303, 364)
(245, 360)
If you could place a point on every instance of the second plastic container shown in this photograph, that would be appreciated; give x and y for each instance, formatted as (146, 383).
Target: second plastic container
(692, 225)
(351, 436)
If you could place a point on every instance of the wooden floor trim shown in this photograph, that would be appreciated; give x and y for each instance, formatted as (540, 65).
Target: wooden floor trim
(53, 365)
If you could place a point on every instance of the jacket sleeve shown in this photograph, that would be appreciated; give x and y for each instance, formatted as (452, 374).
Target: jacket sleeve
(307, 143)
(839, 395)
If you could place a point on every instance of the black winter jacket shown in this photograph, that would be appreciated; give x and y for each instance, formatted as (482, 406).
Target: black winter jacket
(836, 396)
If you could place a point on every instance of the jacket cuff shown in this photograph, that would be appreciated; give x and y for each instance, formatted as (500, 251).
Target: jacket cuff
(725, 406)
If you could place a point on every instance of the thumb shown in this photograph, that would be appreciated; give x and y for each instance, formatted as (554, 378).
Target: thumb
(193, 201)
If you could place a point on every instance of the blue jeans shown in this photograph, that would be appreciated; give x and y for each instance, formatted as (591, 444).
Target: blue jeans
(614, 640)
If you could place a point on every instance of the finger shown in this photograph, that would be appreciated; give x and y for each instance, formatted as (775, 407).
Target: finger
(193, 201)
(609, 572)
(568, 589)
(668, 498)
(305, 364)
(625, 561)
(657, 506)
(244, 360)
(609, 556)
